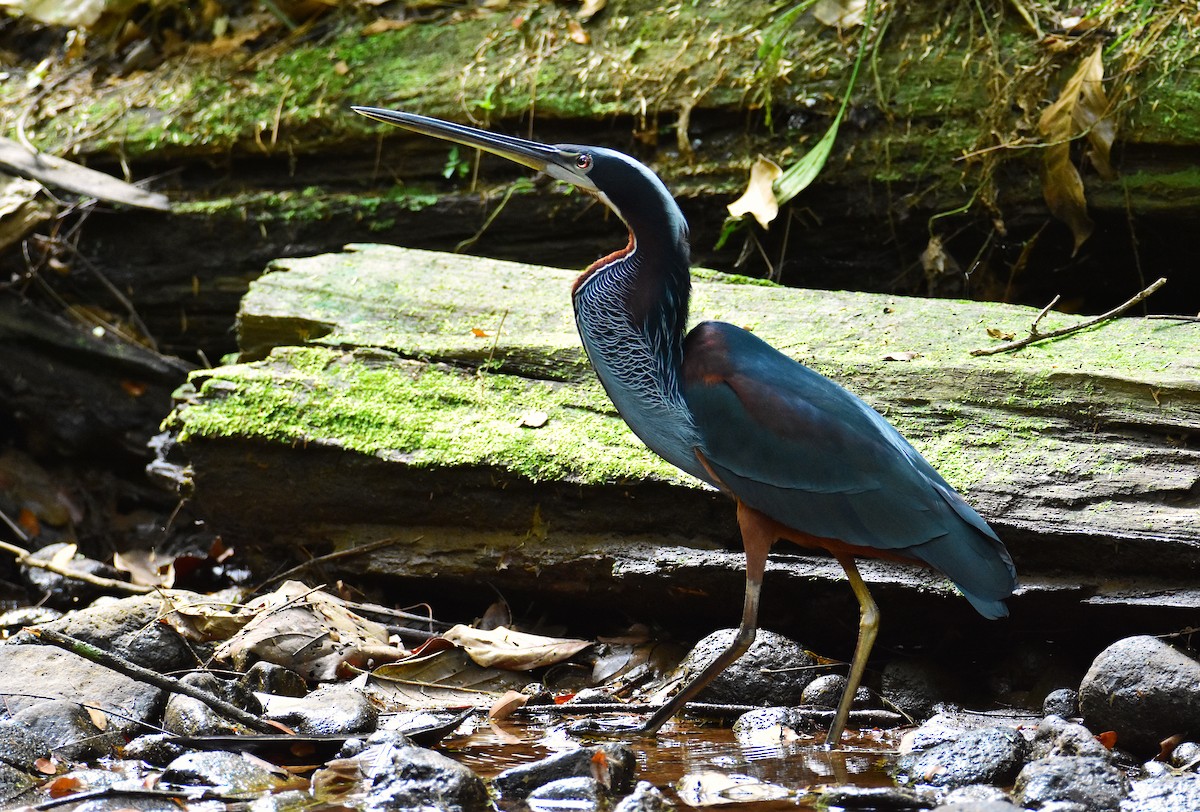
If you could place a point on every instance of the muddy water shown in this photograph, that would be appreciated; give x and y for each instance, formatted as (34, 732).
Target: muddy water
(695, 763)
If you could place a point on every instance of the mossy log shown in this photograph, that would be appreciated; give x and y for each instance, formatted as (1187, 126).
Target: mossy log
(444, 401)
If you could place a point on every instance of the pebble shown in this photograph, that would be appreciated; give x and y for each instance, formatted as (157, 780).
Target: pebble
(774, 671)
(417, 778)
(1092, 782)
(645, 798)
(987, 756)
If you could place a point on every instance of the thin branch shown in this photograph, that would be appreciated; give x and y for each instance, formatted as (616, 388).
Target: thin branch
(26, 559)
(1034, 336)
(350, 552)
(137, 672)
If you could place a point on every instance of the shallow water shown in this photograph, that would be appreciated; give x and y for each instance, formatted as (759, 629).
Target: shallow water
(702, 764)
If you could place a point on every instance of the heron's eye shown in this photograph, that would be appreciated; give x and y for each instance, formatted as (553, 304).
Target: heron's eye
(583, 161)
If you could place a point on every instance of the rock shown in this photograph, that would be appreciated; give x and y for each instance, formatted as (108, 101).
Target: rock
(292, 800)
(128, 628)
(60, 591)
(774, 671)
(578, 793)
(593, 696)
(228, 772)
(976, 795)
(45, 671)
(917, 685)
(645, 798)
(618, 760)
(1166, 794)
(1143, 689)
(826, 692)
(336, 708)
(767, 726)
(986, 756)
(268, 678)
(979, 806)
(1062, 702)
(14, 620)
(852, 797)
(1057, 737)
(413, 777)
(1092, 782)
(14, 782)
(68, 730)
(154, 748)
(1186, 756)
(948, 725)
(186, 716)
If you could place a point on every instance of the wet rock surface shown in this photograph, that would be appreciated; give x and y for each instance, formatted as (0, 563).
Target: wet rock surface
(774, 671)
(578, 793)
(1091, 782)
(1176, 793)
(338, 708)
(1143, 689)
(990, 755)
(414, 777)
(916, 686)
(228, 772)
(645, 798)
(615, 762)
(187, 716)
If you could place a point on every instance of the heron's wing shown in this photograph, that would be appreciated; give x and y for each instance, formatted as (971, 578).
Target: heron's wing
(801, 449)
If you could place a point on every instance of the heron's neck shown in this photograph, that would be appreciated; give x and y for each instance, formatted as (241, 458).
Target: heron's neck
(631, 309)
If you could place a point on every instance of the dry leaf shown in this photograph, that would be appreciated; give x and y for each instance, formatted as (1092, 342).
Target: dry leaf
(533, 419)
(936, 262)
(576, 33)
(1081, 109)
(759, 197)
(841, 13)
(475, 331)
(503, 707)
(515, 651)
(46, 766)
(146, 567)
(995, 332)
(383, 24)
(589, 9)
(445, 679)
(906, 355)
(99, 718)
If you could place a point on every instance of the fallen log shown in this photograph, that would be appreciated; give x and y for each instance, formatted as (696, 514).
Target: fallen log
(445, 399)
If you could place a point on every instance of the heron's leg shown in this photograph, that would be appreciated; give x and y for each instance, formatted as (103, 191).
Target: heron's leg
(757, 538)
(868, 627)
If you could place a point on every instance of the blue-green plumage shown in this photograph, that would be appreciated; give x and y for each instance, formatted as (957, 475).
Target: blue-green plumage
(805, 460)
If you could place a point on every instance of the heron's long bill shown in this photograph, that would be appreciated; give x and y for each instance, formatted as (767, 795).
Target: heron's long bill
(541, 157)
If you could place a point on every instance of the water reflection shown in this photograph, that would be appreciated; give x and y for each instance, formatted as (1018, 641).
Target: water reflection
(698, 764)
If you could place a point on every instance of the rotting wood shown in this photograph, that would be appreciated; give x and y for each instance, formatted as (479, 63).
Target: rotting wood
(376, 400)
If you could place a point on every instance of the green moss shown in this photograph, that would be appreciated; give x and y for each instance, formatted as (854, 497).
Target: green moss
(428, 416)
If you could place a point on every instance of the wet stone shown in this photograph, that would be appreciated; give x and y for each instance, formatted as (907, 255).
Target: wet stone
(1063, 702)
(228, 772)
(1143, 689)
(875, 798)
(334, 709)
(1186, 756)
(186, 716)
(916, 686)
(1055, 736)
(154, 748)
(20, 746)
(618, 760)
(269, 678)
(68, 730)
(986, 756)
(578, 793)
(774, 671)
(1092, 782)
(645, 798)
(1165, 794)
(979, 806)
(768, 726)
(593, 696)
(947, 725)
(413, 777)
(826, 692)
(13, 782)
(977, 794)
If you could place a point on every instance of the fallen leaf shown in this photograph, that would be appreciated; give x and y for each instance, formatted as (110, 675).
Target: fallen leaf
(533, 419)
(63, 786)
(576, 33)
(759, 197)
(503, 707)
(589, 9)
(1081, 109)
(841, 13)
(907, 355)
(146, 567)
(1108, 738)
(444, 679)
(936, 262)
(511, 650)
(99, 718)
(382, 25)
(475, 331)
(1003, 335)
(46, 766)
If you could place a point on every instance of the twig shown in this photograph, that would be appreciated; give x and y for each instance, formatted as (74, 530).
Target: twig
(137, 672)
(1170, 317)
(334, 556)
(177, 796)
(26, 559)
(1034, 336)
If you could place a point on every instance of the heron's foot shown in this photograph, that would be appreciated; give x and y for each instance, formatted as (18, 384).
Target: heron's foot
(625, 727)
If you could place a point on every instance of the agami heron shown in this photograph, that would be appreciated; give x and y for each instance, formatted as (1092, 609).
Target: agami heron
(804, 459)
